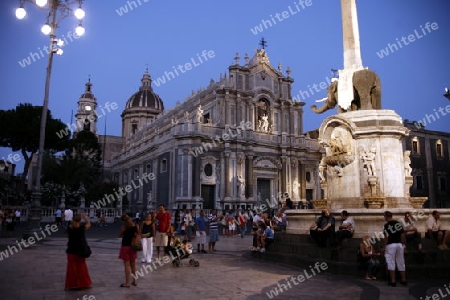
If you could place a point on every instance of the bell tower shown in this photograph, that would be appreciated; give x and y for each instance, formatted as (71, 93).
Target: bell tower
(86, 116)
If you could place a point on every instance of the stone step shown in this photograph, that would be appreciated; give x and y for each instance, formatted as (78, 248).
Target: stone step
(347, 254)
(300, 250)
(414, 271)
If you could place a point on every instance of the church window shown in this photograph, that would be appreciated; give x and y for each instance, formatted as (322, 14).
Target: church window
(419, 182)
(308, 176)
(87, 125)
(133, 128)
(415, 146)
(439, 149)
(206, 118)
(163, 165)
(208, 170)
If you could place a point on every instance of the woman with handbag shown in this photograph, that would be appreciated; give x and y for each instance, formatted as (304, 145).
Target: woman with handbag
(77, 274)
(147, 234)
(129, 233)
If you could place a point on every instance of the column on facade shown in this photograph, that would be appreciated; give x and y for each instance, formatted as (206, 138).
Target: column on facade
(155, 181)
(196, 179)
(317, 189)
(289, 176)
(302, 180)
(251, 113)
(140, 189)
(249, 177)
(227, 109)
(227, 175)
(189, 175)
(222, 176)
(239, 110)
(282, 119)
(172, 178)
(283, 173)
(300, 121)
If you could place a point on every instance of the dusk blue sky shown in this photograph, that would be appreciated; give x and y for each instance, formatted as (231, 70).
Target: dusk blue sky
(116, 49)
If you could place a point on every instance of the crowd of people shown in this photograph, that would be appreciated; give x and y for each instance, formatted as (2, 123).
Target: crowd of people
(158, 229)
(9, 219)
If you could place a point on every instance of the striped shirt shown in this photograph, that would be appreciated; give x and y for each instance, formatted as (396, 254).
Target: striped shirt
(213, 225)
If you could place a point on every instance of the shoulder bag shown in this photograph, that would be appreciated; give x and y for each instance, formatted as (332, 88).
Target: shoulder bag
(85, 250)
(136, 243)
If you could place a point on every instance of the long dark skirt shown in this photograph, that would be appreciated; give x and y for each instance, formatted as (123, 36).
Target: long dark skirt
(77, 274)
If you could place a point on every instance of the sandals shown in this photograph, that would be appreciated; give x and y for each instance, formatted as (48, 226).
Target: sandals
(125, 286)
(368, 278)
(134, 283)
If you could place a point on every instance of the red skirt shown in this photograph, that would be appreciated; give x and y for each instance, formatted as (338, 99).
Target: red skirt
(77, 274)
(127, 254)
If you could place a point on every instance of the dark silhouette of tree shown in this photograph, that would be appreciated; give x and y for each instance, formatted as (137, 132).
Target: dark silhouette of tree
(19, 130)
(80, 163)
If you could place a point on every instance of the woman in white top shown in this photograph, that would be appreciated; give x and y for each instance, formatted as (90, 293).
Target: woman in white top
(370, 258)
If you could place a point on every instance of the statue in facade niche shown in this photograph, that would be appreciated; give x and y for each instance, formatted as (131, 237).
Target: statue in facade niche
(264, 123)
(241, 186)
(295, 188)
(368, 158)
(199, 114)
(321, 173)
(407, 161)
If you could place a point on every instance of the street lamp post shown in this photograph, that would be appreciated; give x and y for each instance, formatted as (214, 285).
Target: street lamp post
(57, 10)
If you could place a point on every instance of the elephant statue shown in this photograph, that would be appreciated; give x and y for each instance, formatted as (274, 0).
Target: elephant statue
(366, 93)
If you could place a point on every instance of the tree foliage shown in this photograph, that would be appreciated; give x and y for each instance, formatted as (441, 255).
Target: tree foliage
(79, 166)
(20, 129)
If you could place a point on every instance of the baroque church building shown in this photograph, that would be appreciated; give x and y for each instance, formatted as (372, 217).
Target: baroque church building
(235, 144)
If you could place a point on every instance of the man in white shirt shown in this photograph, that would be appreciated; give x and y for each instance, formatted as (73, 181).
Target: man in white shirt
(434, 230)
(17, 216)
(346, 229)
(68, 216)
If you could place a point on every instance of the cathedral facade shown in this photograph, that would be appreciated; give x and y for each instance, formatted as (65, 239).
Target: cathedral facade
(235, 144)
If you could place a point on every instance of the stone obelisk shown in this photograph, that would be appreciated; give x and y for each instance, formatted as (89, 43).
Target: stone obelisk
(352, 53)
(350, 29)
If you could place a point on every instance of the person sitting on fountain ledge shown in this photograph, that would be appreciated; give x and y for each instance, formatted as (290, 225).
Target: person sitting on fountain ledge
(346, 229)
(434, 230)
(323, 229)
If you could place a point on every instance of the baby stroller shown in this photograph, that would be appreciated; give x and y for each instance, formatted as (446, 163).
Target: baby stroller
(179, 251)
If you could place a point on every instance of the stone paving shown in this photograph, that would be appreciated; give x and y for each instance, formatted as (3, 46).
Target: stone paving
(38, 272)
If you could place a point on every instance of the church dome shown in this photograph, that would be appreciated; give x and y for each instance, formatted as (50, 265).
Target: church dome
(145, 97)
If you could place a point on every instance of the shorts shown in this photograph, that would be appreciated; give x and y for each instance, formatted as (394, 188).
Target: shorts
(161, 239)
(232, 227)
(201, 237)
(394, 255)
(127, 254)
(213, 235)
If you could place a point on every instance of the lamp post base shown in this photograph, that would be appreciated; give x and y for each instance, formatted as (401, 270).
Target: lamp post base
(34, 215)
